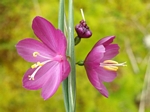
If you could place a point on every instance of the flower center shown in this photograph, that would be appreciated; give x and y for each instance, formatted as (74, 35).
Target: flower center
(38, 65)
(111, 65)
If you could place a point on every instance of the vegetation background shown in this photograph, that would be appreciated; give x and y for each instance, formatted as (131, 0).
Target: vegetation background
(128, 20)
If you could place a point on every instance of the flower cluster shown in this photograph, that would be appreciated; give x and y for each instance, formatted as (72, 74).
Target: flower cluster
(50, 65)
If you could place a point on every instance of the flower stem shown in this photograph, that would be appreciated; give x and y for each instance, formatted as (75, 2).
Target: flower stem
(72, 76)
(61, 27)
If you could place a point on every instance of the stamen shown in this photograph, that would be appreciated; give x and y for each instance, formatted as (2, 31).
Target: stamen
(34, 66)
(40, 64)
(111, 65)
(35, 54)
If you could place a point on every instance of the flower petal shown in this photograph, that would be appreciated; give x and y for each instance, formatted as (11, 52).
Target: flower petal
(50, 36)
(96, 82)
(42, 76)
(105, 41)
(27, 47)
(111, 51)
(53, 82)
(95, 55)
(105, 75)
(103, 90)
(66, 69)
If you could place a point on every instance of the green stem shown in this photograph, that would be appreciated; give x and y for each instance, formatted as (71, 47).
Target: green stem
(61, 27)
(72, 76)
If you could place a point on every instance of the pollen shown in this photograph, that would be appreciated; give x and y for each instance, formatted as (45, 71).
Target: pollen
(35, 54)
(37, 65)
(40, 64)
(111, 68)
(34, 66)
(111, 65)
(110, 62)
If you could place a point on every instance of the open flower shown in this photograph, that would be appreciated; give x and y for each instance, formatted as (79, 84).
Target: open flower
(50, 66)
(98, 65)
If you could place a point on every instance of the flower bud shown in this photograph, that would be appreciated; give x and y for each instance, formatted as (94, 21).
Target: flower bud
(83, 30)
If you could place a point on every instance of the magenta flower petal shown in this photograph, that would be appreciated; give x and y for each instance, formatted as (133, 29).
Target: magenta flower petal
(112, 51)
(105, 75)
(99, 66)
(96, 81)
(27, 47)
(32, 84)
(97, 52)
(103, 90)
(66, 69)
(47, 33)
(105, 41)
(53, 82)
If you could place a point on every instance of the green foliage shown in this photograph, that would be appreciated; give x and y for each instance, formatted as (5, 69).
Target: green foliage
(128, 20)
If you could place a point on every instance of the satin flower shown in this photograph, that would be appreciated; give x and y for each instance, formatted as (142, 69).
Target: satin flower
(48, 55)
(99, 66)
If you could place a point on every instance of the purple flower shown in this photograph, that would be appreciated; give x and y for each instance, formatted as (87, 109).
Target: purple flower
(50, 66)
(83, 30)
(98, 65)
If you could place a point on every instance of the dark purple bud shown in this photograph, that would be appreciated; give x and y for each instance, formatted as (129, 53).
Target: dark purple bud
(83, 30)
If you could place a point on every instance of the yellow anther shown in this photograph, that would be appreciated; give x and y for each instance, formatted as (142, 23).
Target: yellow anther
(34, 66)
(40, 64)
(111, 68)
(110, 62)
(35, 54)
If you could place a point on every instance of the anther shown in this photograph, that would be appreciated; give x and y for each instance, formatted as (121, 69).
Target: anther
(111, 68)
(36, 65)
(35, 54)
(110, 62)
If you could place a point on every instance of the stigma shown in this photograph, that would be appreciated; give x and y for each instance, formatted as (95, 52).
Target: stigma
(111, 65)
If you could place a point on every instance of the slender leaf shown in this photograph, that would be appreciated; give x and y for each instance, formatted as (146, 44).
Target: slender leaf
(72, 76)
(61, 27)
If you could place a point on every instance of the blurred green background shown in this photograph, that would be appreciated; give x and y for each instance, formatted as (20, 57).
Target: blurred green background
(128, 20)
